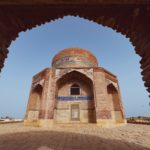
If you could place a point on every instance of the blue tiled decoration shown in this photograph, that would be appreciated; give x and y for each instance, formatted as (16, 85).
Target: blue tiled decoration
(73, 98)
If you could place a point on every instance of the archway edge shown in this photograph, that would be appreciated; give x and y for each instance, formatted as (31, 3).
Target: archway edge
(126, 18)
(16, 2)
(72, 72)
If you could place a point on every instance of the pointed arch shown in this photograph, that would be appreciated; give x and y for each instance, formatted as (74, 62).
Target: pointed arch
(128, 18)
(115, 97)
(117, 111)
(83, 95)
(35, 102)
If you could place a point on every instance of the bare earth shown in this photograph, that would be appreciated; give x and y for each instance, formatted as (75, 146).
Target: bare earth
(84, 137)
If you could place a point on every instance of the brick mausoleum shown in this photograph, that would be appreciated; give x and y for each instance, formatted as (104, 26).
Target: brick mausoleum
(74, 90)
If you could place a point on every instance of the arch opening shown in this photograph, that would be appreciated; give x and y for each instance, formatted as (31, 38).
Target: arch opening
(78, 106)
(114, 96)
(107, 15)
(34, 105)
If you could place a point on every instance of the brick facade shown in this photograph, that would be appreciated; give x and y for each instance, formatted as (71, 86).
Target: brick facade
(52, 101)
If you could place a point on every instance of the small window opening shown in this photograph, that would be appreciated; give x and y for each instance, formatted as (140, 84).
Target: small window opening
(75, 90)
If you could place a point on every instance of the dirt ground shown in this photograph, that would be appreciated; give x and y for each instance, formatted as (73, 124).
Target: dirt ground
(79, 137)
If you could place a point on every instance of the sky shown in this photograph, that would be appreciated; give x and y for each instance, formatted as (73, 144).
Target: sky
(34, 49)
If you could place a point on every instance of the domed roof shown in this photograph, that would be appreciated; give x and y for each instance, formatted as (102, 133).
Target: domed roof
(74, 58)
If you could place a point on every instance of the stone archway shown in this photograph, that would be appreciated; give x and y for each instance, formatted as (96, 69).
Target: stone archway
(130, 18)
(34, 104)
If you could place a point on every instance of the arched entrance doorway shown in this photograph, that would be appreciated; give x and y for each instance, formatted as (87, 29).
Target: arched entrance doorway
(74, 99)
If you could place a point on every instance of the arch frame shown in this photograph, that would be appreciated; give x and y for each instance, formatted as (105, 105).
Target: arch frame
(130, 18)
(34, 105)
(116, 98)
(85, 100)
(78, 71)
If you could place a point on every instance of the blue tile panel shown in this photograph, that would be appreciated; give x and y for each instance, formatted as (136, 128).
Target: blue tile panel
(73, 98)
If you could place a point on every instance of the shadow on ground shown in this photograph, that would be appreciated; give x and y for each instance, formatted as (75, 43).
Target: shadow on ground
(53, 140)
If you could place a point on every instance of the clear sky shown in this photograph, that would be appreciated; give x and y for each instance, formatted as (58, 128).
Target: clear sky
(34, 49)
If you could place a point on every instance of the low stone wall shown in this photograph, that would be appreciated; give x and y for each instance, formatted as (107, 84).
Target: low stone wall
(139, 122)
(7, 122)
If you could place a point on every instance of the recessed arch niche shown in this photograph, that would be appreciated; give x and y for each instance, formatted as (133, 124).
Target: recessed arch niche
(34, 104)
(85, 99)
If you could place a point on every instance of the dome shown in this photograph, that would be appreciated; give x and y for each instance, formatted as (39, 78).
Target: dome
(74, 58)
